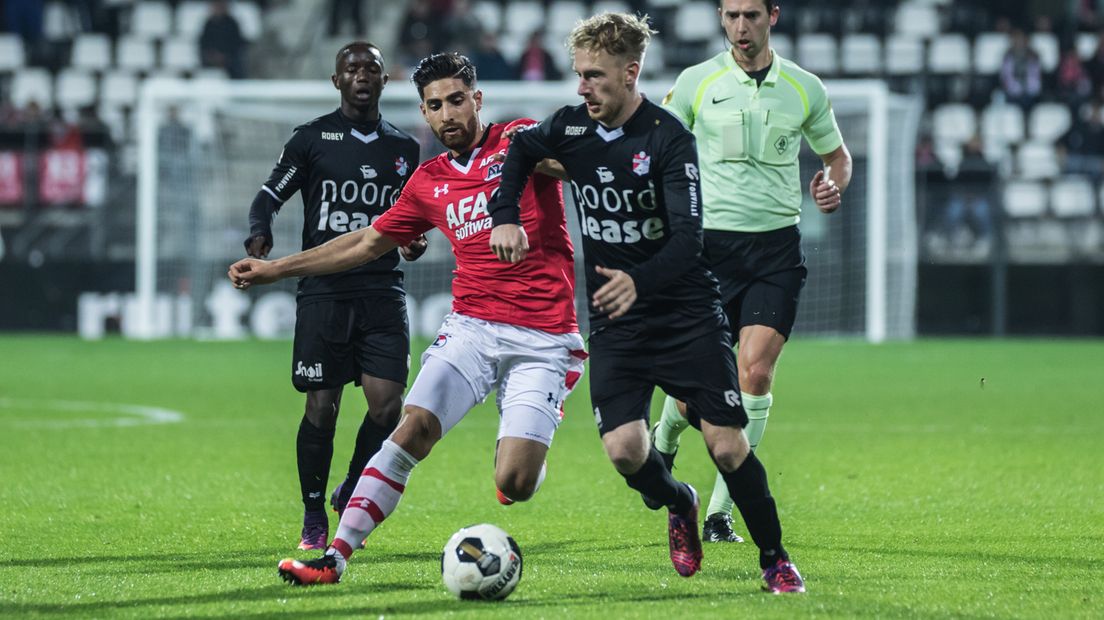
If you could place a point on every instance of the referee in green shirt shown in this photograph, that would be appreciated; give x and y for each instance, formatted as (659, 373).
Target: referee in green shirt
(749, 108)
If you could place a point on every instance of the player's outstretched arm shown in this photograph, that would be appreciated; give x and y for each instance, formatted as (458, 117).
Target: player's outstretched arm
(339, 254)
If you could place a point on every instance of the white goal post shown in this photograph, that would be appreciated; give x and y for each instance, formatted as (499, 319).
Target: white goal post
(195, 185)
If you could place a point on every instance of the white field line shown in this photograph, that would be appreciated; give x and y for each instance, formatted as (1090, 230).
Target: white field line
(132, 415)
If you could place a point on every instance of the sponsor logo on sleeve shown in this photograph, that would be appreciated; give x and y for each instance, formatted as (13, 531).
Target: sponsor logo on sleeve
(691, 172)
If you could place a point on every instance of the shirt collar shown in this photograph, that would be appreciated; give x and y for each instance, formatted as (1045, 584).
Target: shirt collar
(772, 75)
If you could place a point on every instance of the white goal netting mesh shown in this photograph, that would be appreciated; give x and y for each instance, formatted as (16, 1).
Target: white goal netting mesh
(213, 147)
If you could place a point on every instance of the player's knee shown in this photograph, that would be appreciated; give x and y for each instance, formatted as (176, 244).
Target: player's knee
(321, 409)
(626, 459)
(756, 377)
(729, 458)
(517, 485)
(386, 413)
(418, 431)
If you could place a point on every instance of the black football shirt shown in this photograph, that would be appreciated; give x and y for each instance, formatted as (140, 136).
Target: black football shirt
(638, 195)
(348, 176)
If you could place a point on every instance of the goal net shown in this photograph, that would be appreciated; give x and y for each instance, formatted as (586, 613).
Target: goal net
(204, 150)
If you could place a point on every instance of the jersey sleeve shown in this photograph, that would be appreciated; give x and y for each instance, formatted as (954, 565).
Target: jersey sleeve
(405, 220)
(820, 128)
(680, 100)
(527, 148)
(291, 168)
(681, 196)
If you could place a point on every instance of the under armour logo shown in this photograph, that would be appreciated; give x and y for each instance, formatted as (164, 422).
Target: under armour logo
(440, 190)
(551, 398)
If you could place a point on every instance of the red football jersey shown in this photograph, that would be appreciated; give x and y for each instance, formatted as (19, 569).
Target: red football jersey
(538, 292)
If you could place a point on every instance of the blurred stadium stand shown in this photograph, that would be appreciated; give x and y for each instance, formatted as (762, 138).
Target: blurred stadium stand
(79, 75)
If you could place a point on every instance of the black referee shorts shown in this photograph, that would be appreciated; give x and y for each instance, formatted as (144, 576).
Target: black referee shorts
(336, 341)
(696, 366)
(761, 276)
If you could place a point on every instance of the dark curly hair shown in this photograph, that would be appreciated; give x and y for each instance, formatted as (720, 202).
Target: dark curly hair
(441, 67)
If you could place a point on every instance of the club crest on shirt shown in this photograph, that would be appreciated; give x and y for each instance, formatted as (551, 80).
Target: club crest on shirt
(493, 171)
(641, 164)
(401, 167)
(368, 172)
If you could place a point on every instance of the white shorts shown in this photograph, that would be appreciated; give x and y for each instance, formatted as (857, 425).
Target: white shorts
(533, 371)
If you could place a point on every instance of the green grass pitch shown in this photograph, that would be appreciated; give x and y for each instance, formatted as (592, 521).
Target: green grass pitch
(930, 479)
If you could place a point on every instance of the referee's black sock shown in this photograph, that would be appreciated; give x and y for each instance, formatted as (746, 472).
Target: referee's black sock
(369, 439)
(313, 450)
(748, 487)
(654, 481)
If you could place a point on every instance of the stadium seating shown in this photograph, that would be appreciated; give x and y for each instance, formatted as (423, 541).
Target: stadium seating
(75, 88)
(989, 50)
(818, 53)
(1049, 122)
(32, 84)
(91, 51)
(1072, 197)
(12, 55)
(861, 54)
(151, 19)
(1025, 199)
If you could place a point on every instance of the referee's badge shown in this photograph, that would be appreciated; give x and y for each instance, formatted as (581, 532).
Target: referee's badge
(642, 163)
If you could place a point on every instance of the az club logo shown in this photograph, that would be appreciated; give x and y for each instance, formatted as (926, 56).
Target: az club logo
(642, 163)
(440, 190)
(493, 171)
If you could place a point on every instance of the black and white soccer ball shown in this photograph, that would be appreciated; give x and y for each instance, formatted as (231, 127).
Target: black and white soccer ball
(481, 562)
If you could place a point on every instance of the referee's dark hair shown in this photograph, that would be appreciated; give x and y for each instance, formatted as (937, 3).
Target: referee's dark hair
(769, 3)
(441, 67)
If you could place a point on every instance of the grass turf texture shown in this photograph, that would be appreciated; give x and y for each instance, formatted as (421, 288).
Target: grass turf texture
(937, 478)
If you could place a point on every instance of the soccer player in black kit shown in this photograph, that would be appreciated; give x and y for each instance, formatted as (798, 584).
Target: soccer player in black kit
(656, 317)
(349, 166)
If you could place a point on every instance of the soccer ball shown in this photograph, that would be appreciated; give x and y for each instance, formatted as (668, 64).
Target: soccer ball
(481, 562)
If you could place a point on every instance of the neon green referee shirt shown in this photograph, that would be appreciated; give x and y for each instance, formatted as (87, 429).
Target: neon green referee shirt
(749, 137)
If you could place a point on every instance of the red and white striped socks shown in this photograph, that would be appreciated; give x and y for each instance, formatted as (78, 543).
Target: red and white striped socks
(376, 495)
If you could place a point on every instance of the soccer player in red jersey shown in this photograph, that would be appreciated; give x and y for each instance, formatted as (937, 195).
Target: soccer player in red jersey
(512, 326)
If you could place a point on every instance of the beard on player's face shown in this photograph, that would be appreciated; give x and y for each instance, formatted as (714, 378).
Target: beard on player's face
(457, 134)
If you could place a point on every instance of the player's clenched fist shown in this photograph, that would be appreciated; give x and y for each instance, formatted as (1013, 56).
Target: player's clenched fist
(249, 271)
(509, 243)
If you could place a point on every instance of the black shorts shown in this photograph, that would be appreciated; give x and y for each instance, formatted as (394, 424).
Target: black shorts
(761, 276)
(336, 341)
(696, 366)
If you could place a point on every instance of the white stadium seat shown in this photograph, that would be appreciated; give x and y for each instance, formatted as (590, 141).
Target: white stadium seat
(249, 18)
(818, 53)
(989, 50)
(489, 14)
(91, 51)
(1087, 42)
(190, 17)
(76, 88)
(948, 54)
(119, 88)
(782, 44)
(135, 53)
(523, 17)
(613, 6)
(1045, 45)
(563, 15)
(954, 123)
(1037, 160)
(904, 55)
(861, 54)
(180, 54)
(1002, 124)
(1025, 199)
(697, 21)
(12, 55)
(917, 20)
(1072, 196)
(1049, 121)
(151, 19)
(32, 84)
